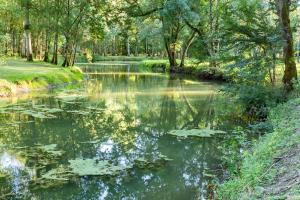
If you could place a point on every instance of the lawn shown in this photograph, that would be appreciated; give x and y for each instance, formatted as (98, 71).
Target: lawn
(17, 73)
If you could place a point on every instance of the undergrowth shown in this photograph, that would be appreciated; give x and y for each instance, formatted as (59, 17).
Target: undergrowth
(257, 166)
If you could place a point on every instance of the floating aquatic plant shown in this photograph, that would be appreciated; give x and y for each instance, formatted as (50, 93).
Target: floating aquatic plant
(149, 161)
(57, 174)
(94, 167)
(51, 149)
(40, 156)
(78, 112)
(195, 133)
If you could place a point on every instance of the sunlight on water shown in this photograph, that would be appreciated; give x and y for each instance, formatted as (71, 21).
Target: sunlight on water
(122, 117)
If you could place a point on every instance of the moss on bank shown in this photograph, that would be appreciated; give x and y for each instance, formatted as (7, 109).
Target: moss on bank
(258, 170)
(17, 75)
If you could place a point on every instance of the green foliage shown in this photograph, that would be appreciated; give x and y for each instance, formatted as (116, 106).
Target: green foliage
(155, 65)
(256, 100)
(257, 163)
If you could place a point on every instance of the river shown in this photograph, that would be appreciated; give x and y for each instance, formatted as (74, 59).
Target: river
(121, 115)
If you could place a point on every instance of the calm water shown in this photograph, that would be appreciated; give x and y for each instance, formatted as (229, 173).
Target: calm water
(127, 115)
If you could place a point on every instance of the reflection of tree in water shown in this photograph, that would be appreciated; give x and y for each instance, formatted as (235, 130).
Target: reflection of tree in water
(168, 113)
(178, 111)
(130, 122)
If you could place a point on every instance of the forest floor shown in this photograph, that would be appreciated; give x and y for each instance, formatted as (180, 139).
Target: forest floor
(18, 76)
(271, 169)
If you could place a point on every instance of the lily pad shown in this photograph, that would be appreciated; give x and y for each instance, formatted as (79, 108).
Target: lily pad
(196, 133)
(51, 149)
(78, 112)
(52, 110)
(40, 156)
(39, 115)
(14, 123)
(57, 174)
(151, 161)
(95, 108)
(94, 167)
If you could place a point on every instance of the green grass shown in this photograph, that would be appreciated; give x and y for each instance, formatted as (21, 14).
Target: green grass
(199, 70)
(98, 58)
(17, 73)
(256, 169)
(154, 65)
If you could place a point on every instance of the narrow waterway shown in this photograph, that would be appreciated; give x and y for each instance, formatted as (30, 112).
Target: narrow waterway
(120, 115)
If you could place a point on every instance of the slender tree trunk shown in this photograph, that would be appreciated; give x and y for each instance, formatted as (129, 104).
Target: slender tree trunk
(186, 48)
(298, 49)
(128, 46)
(55, 49)
(290, 71)
(27, 32)
(114, 49)
(46, 54)
(23, 47)
(19, 47)
(14, 42)
(136, 53)
(67, 53)
(146, 46)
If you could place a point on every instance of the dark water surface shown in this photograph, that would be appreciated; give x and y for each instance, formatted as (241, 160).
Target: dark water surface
(126, 114)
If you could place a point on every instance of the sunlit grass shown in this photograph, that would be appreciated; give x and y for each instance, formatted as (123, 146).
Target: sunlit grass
(17, 73)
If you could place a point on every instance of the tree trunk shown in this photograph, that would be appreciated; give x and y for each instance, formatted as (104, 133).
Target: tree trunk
(298, 50)
(23, 46)
(146, 46)
(136, 53)
(67, 53)
(28, 46)
(171, 56)
(46, 54)
(290, 71)
(55, 49)
(128, 46)
(186, 48)
(14, 43)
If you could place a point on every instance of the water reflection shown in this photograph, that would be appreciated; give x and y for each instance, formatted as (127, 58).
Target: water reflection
(121, 117)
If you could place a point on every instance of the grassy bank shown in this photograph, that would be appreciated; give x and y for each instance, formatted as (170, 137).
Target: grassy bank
(17, 75)
(201, 71)
(98, 58)
(266, 169)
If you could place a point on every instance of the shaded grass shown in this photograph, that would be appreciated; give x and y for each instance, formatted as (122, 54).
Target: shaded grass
(257, 167)
(16, 74)
(199, 70)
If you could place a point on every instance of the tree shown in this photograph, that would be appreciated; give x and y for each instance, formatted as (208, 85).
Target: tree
(290, 71)
(27, 35)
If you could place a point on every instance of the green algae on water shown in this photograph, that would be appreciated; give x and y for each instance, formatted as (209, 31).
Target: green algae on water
(204, 133)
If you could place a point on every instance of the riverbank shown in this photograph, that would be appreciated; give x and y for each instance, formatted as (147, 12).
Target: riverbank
(271, 169)
(201, 71)
(18, 76)
(155, 64)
